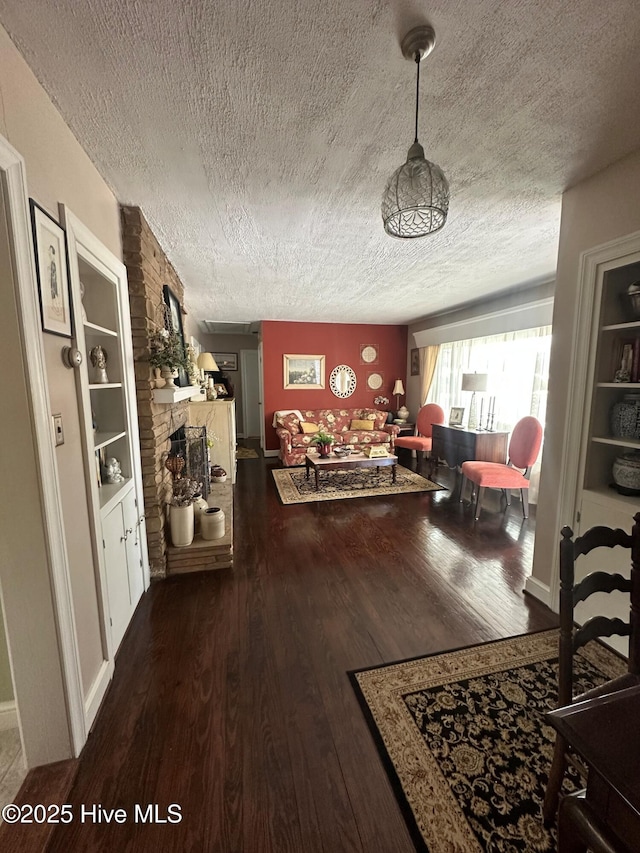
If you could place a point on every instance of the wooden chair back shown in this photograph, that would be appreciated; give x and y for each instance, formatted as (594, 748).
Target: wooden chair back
(573, 638)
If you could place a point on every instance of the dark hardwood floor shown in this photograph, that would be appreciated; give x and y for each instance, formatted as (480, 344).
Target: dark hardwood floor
(230, 696)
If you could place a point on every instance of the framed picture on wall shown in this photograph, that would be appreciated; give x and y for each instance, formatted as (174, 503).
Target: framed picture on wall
(303, 371)
(51, 268)
(226, 360)
(175, 317)
(415, 362)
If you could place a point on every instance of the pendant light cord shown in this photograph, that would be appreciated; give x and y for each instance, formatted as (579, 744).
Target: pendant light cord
(417, 90)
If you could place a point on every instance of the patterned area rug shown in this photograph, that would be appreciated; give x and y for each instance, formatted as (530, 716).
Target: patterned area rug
(465, 743)
(246, 453)
(294, 488)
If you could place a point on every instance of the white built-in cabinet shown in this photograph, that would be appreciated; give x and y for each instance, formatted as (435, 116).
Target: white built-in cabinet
(109, 425)
(605, 322)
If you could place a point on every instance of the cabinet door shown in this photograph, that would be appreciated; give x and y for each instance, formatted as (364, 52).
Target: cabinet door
(133, 532)
(117, 576)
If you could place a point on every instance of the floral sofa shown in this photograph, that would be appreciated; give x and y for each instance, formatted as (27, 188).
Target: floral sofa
(294, 443)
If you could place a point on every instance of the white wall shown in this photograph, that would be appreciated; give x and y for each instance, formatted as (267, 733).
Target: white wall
(6, 687)
(602, 208)
(58, 170)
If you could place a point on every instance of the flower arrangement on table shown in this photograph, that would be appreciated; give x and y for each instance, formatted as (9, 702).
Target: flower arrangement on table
(324, 442)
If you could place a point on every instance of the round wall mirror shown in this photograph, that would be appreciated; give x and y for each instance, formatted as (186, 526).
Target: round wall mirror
(342, 381)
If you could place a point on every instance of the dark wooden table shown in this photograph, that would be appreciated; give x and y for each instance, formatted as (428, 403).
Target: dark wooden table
(606, 732)
(355, 460)
(456, 445)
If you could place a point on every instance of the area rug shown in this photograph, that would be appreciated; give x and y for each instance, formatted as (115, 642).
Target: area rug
(246, 453)
(465, 743)
(294, 488)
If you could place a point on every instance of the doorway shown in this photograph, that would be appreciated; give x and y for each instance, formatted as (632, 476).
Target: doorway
(250, 393)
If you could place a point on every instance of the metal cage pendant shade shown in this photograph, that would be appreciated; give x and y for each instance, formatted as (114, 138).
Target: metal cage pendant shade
(416, 199)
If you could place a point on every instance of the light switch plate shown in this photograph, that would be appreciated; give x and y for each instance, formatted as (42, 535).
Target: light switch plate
(57, 429)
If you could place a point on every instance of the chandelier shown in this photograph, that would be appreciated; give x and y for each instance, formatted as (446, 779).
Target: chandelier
(416, 198)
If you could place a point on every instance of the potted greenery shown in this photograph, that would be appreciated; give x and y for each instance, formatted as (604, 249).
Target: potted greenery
(167, 353)
(324, 442)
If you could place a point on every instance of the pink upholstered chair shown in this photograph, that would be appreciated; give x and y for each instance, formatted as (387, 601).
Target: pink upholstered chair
(524, 447)
(421, 442)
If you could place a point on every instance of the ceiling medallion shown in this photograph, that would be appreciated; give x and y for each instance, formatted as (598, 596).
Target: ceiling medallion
(416, 199)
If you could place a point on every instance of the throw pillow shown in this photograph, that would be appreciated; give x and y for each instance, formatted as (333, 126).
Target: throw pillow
(307, 427)
(290, 422)
(361, 425)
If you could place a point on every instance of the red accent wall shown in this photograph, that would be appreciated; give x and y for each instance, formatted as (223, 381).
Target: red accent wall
(340, 343)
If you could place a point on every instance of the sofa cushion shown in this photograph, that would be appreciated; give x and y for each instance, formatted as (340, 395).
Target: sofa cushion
(302, 440)
(366, 436)
(308, 428)
(360, 424)
(289, 421)
(379, 418)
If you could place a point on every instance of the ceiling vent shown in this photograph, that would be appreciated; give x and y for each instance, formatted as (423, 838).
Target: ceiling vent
(217, 327)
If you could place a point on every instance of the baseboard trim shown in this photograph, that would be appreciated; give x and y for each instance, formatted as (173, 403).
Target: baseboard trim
(271, 453)
(8, 716)
(96, 692)
(539, 590)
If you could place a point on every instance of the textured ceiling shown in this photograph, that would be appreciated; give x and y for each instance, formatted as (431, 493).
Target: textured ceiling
(257, 137)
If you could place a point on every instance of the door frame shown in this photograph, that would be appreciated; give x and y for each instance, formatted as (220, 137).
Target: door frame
(246, 404)
(51, 715)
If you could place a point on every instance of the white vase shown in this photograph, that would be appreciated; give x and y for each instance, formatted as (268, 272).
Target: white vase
(403, 413)
(157, 378)
(199, 506)
(181, 523)
(167, 374)
(212, 523)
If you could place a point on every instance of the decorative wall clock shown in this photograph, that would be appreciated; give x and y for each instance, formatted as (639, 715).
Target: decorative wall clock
(374, 381)
(369, 353)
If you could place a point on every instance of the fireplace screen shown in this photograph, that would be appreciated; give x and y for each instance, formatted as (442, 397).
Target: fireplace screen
(190, 442)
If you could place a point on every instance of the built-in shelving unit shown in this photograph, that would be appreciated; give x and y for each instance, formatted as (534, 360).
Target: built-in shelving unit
(612, 327)
(109, 425)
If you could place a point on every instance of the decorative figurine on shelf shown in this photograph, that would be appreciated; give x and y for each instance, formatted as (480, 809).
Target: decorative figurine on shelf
(111, 472)
(623, 373)
(98, 358)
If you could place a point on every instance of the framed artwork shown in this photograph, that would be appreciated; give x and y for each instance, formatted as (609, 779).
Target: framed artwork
(369, 353)
(226, 360)
(175, 317)
(221, 390)
(374, 381)
(50, 247)
(415, 362)
(303, 371)
(456, 415)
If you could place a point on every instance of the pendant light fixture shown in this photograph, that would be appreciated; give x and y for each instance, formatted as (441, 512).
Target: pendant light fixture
(416, 198)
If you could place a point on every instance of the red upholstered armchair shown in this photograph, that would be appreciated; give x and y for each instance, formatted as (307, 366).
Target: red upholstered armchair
(427, 416)
(524, 447)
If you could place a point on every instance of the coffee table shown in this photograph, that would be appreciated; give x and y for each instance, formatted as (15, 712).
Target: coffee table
(354, 460)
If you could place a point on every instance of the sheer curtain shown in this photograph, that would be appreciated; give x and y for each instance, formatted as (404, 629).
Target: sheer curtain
(518, 367)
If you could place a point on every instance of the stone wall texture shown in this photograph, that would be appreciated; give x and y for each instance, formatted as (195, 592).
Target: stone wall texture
(148, 270)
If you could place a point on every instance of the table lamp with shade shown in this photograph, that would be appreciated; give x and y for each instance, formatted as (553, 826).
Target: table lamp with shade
(206, 362)
(398, 389)
(474, 382)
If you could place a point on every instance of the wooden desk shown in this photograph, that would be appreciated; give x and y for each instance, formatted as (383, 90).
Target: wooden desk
(605, 732)
(456, 445)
